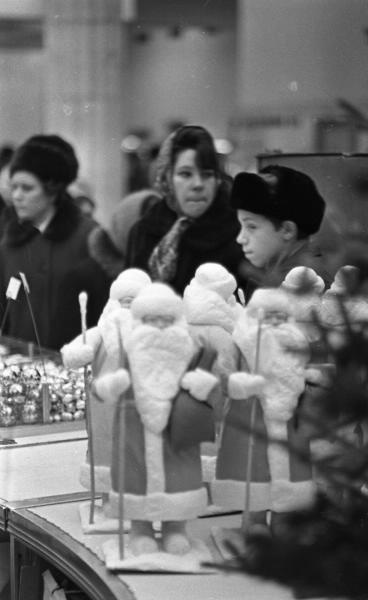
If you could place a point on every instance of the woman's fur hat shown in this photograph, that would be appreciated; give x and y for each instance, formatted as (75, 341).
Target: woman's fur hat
(49, 157)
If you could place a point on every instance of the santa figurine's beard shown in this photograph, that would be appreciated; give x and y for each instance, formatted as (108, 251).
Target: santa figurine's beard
(269, 345)
(283, 353)
(158, 359)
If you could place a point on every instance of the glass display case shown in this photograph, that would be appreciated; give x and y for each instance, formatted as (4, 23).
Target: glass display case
(35, 387)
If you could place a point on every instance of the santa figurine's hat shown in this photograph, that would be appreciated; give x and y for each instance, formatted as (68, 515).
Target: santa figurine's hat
(355, 308)
(269, 299)
(129, 283)
(215, 277)
(303, 278)
(157, 299)
(343, 277)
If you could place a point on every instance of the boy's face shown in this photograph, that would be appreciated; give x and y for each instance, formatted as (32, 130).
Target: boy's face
(261, 242)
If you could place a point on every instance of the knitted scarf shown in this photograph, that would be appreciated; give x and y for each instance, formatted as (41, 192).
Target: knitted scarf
(163, 261)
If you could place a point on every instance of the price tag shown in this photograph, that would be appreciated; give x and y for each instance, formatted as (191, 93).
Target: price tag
(24, 281)
(13, 288)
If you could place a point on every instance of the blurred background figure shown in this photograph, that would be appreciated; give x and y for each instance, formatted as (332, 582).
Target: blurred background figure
(6, 154)
(45, 237)
(108, 246)
(82, 193)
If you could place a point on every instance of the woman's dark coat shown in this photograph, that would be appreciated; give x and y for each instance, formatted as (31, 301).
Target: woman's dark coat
(210, 238)
(46, 260)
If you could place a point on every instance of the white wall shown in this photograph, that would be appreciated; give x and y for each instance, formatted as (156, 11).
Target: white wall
(301, 53)
(21, 94)
(191, 77)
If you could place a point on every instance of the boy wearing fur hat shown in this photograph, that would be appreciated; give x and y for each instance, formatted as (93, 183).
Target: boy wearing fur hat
(273, 354)
(160, 484)
(103, 349)
(278, 209)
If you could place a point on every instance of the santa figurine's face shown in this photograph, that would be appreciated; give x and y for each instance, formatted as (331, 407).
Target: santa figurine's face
(275, 317)
(126, 301)
(159, 321)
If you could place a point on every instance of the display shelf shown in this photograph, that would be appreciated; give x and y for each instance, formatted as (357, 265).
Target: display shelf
(60, 550)
(54, 532)
(36, 429)
(3, 515)
(42, 466)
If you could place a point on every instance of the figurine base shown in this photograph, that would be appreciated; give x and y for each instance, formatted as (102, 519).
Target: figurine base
(158, 562)
(228, 542)
(101, 523)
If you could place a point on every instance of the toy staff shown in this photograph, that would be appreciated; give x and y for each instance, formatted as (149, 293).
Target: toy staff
(83, 311)
(11, 294)
(253, 412)
(121, 421)
(120, 418)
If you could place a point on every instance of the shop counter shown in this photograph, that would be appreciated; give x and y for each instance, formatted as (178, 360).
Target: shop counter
(53, 532)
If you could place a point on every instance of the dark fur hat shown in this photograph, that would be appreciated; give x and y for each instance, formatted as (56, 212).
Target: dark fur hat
(292, 197)
(49, 157)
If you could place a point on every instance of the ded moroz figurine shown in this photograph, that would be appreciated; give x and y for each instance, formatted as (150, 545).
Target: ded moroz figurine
(160, 484)
(211, 311)
(273, 356)
(102, 348)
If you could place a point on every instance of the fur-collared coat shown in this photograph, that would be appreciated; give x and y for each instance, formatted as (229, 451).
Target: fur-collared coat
(279, 481)
(46, 260)
(105, 342)
(210, 238)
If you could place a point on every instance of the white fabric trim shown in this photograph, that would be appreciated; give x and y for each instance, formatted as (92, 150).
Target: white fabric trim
(208, 464)
(102, 477)
(230, 494)
(161, 507)
(292, 495)
(278, 456)
(154, 461)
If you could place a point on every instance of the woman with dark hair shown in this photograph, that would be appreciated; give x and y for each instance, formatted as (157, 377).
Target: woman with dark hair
(192, 223)
(45, 238)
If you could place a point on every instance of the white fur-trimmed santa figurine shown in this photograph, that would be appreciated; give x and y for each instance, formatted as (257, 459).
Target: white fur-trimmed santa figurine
(211, 311)
(306, 289)
(159, 483)
(342, 309)
(102, 349)
(273, 355)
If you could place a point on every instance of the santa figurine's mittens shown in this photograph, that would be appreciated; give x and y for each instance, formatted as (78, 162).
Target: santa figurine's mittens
(242, 386)
(199, 383)
(76, 355)
(109, 387)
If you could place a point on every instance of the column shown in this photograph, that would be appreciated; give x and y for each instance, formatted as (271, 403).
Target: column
(85, 67)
